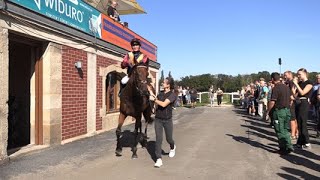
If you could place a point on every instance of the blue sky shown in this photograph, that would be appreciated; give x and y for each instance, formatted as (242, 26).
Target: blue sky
(231, 36)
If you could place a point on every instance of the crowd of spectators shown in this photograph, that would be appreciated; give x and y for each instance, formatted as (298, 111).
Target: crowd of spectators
(304, 103)
(186, 96)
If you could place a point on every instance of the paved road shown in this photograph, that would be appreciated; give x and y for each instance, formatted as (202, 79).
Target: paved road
(212, 143)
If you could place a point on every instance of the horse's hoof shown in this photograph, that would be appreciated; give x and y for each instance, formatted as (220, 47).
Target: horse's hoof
(118, 153)
(134, 156)
(144, 143)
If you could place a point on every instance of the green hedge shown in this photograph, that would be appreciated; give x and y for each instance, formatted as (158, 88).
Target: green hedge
(205, 98)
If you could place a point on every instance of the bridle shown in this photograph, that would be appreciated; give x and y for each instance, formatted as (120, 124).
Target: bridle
(142, 93)
(142, 82)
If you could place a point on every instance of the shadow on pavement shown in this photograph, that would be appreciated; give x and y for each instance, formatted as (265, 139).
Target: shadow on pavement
(302, 162)
(261, 135)
(308, 154)
(253, 143)
(259, 123)
(287, 176)
(151, 147)
(297, 172)
(300, 157)
(252, 130)
(127, 138)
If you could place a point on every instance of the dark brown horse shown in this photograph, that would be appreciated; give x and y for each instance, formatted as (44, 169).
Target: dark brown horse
(134, 101)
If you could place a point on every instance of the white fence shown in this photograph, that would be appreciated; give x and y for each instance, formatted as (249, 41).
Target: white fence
(233, 96)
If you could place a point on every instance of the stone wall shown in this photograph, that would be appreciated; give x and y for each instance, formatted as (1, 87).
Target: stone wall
(4, 86)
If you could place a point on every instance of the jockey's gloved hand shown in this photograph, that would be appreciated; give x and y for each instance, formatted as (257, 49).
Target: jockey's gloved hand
(152, 97)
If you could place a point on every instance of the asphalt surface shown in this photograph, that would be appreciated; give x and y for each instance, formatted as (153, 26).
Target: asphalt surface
(212, 143)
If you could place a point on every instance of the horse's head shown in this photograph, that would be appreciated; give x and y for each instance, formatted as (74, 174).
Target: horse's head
(140, 76)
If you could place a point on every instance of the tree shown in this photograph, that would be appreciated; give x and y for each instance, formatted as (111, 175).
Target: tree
(264, 74)
(169, 75)
(227, 83)
(161, 79)
(313, 76)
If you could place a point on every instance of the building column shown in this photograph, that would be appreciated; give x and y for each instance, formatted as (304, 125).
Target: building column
(92, 93)
(52, 94)
(4, 90)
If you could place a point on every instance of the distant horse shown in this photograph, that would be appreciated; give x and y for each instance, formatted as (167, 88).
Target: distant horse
(134, 101)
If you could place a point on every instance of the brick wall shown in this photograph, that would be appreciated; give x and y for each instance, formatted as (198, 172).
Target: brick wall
(74, 93)
(101, 62)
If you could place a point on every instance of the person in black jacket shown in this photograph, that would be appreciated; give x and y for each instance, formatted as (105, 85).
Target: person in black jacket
(163, 118)
(112, 11)
(303, 88)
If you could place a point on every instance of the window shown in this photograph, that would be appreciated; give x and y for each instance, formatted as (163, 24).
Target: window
(112, 91)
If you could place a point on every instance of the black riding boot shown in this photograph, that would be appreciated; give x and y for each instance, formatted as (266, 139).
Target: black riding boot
(121, 88)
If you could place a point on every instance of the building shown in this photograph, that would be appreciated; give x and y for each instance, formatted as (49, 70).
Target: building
(60, 71)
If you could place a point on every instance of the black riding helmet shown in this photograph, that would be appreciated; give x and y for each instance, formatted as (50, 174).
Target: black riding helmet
(135, 41)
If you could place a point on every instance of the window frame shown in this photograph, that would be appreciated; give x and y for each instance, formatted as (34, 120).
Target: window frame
(116, 88)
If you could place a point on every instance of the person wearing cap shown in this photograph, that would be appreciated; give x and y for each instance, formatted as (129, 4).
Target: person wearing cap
(280, 101)
(135, 57)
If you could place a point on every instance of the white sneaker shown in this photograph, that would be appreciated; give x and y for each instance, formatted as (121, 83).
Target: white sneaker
(172, 152)
(306, 146)
(158, 163)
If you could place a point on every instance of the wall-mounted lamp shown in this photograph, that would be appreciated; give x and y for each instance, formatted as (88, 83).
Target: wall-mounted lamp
(78, 64)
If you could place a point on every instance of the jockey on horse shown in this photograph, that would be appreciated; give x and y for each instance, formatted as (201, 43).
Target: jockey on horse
(130, 60)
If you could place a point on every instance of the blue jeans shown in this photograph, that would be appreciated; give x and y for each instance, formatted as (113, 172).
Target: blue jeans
(159, 125)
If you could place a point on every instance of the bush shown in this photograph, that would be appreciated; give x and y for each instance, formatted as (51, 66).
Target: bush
(237, 102)
(205, 98)
(226, 98)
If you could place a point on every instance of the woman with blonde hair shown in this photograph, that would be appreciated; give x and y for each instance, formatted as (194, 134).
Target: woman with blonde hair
(303, 90)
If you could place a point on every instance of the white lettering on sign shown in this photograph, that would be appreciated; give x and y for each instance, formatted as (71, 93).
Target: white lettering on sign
(74, 2)
(63, 8)
(38, 4)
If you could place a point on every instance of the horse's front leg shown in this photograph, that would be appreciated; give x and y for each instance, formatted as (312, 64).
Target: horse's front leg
(118, 151)
(147, 115)
(136, 137)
